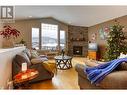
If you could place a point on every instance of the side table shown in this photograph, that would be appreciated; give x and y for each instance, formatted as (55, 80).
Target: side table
(21, 80)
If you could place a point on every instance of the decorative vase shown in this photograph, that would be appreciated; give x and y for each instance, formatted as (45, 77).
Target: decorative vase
(62, 53)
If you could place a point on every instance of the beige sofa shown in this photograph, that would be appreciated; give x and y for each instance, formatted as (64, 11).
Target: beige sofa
(115, 80)
(44, 73)
(49, 54)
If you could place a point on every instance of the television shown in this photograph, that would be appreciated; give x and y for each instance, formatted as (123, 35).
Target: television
(92, 46)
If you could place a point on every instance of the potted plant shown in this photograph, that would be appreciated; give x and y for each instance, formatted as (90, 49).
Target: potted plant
(9, 34)
(21, 43)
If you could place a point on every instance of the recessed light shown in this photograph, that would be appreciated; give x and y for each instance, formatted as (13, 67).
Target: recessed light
(29, 16)
(69, 22)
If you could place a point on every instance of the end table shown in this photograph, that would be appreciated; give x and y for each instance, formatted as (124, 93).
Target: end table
(21, 80)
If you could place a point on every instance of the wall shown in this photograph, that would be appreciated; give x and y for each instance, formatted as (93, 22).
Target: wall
(79, 33)
(95, 28)
(1, 39)
(25, 26)
(6, 56)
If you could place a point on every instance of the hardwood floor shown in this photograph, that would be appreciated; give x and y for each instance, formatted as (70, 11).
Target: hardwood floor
(65, 79)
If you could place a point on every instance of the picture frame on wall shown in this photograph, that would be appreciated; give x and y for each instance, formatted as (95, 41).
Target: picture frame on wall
(103, 33)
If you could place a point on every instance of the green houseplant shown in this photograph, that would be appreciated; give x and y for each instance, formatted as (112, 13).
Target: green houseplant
(22, 42)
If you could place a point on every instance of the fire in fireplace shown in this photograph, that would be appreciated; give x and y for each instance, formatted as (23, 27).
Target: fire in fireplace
(77, 50)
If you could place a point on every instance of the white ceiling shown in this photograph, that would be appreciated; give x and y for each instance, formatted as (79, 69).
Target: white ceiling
(74, 15)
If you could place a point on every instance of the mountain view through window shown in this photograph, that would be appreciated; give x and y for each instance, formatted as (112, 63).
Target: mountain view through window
(35, 38)
(49, 36)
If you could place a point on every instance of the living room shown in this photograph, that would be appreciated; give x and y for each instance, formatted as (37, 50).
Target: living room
(58, 42)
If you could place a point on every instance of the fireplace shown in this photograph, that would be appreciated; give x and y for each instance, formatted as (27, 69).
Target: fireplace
(77, 50)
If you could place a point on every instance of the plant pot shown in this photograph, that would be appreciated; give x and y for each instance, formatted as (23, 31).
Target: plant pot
(8, 43)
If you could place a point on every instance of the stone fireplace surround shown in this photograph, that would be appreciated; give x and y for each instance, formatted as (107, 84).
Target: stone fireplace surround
(77, 36)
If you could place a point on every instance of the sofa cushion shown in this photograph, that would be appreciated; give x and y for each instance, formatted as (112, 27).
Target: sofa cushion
(80, 69)
(36, 60)
(34, 54)
(21, 58)
(27, 51)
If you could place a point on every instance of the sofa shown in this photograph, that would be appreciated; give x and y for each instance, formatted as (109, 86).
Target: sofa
(115, 80)
(49, 54)
(25, 56)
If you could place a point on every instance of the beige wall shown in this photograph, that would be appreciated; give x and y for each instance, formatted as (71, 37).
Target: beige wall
(1, 38)
(95, 28)
(6, 56)
(25, 26)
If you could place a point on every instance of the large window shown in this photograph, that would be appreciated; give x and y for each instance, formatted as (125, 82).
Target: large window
(35, 38)
(49, 36)
(62, 39)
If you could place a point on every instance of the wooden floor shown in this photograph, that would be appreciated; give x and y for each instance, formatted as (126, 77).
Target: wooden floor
(65, 79)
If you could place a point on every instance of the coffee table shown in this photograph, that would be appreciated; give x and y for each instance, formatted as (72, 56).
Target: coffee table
(63, 62)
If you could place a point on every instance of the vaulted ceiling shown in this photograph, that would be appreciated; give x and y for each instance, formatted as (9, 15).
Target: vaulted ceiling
(74, 15)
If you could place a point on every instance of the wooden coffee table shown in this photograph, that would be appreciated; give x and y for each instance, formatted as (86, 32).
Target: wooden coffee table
(63, 62)
(21, 80)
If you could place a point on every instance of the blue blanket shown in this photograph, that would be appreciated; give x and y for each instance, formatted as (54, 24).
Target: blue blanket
(97, 74)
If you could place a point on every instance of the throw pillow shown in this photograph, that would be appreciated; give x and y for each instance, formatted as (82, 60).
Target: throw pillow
(22, 57)
(34, 54)
(27, 51)
(36, 60)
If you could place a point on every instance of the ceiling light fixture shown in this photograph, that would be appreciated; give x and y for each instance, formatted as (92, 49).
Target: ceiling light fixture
(29, 16)
(69, 22)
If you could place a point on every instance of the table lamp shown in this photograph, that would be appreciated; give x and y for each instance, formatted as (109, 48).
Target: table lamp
(24, 67)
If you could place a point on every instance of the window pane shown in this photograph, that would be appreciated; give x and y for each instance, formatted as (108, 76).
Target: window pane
(35, 38)
(62, 39)
(49, 36)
